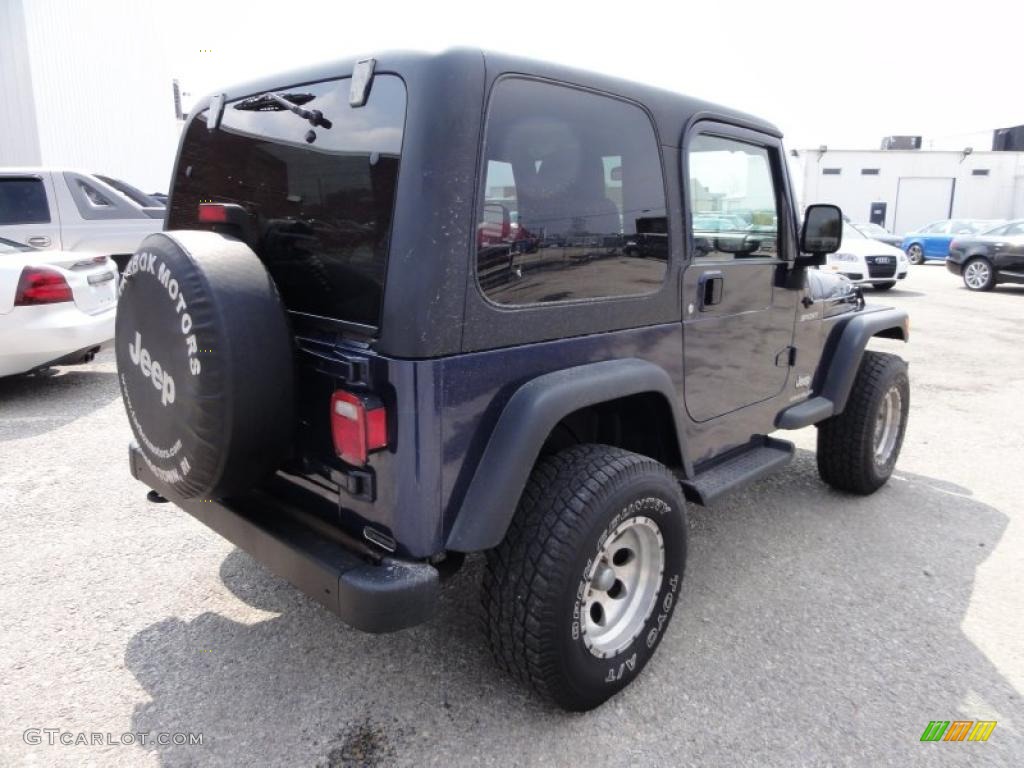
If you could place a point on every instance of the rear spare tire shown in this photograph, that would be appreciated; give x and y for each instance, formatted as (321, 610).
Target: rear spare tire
(204, 360)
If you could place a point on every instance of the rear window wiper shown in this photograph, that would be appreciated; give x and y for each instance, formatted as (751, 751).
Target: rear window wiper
(271, 101)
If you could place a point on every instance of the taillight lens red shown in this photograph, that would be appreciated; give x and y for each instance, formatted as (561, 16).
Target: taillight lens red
(358, 425)
(213, 213)
(41, 285)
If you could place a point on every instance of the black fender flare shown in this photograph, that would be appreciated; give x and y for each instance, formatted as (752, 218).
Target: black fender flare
(850, 342)
(525, 423)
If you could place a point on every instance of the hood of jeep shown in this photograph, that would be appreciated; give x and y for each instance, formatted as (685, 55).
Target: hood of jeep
(836, 292)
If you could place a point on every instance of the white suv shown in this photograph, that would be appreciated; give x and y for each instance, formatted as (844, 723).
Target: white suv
(867, 261)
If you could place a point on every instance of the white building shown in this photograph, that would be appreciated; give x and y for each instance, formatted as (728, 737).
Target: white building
(79, 92)
(910, 188)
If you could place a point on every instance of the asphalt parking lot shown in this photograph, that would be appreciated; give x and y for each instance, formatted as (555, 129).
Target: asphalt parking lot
(815, 628)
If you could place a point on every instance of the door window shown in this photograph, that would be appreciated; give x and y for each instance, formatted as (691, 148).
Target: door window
(23, 201)
(733, 203)
(93, 195)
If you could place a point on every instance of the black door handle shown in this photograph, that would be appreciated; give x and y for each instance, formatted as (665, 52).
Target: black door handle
(710, 288)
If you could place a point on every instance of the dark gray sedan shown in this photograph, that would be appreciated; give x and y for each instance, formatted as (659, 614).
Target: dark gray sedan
(997, 256)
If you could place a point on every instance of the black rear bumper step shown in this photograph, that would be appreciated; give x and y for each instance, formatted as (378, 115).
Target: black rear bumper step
(381, 594)
(737, 469)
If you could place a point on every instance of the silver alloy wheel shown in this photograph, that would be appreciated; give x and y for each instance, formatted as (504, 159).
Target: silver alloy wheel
(622, 586)
(977, 275)
(915, 254)
(887, 426)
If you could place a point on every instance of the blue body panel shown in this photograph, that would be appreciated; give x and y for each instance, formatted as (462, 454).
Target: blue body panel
(935, 246)
(443, 412)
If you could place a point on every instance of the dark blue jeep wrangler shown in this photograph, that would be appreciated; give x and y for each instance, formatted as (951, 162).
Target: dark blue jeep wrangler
(419, 306)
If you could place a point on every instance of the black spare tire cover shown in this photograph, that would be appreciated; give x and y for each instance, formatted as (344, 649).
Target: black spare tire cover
(204, 359)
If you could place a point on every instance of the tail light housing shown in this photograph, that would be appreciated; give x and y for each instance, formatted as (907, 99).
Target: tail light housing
(359, 425)
(213, 213)
(41, 285)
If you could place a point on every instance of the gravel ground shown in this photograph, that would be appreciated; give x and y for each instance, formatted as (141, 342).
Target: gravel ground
(814, 629)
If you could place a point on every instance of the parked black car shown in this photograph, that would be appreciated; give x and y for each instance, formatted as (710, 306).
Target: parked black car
(327, 360)
(984, 261)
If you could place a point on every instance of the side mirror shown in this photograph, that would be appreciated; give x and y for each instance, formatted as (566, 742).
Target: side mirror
(822, 234)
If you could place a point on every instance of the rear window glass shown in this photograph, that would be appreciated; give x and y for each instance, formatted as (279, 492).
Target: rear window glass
(320, 198)
(23, 201)
(574, 200)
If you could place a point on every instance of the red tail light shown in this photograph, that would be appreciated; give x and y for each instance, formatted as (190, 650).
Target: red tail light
(213, 213)
(358, 425)
(41, 285)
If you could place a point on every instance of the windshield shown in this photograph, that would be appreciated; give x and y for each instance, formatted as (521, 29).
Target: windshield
(982, 226)
(872, 229)
(850, 232)
(9, 246)
(320, 193)
(999, 229)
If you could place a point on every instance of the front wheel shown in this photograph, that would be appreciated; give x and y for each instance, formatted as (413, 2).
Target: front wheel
(858, 448)
(979, 275)
(580, 593)
(915, 254)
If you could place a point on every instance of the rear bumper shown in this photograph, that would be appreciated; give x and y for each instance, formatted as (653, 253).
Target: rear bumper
(50, 334)
(955, 267)
(369, 592)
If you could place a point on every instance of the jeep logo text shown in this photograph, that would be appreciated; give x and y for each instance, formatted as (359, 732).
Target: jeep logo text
(151, 369)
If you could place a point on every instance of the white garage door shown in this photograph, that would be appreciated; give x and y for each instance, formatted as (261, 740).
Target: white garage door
(920, 201)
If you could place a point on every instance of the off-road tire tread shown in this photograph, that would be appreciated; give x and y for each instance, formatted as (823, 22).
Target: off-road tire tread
(523, 574)
(845, 440)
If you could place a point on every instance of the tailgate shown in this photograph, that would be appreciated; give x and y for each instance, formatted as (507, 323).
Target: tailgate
(94, 289)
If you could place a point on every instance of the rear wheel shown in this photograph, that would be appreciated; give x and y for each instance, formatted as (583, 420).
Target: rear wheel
(979, 275)
(915, 254)
(579, 594)
(857, 449)
(885, 286)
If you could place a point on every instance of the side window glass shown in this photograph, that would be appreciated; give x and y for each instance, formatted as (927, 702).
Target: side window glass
(23, 201)
(1016, 229)
(574, 200)
(94, 196)
(734, 208)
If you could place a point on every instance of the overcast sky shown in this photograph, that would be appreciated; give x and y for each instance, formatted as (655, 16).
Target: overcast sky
(828, 72)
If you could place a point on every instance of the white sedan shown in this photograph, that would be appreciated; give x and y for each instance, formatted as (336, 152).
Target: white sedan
(867, 261)
(56, 307)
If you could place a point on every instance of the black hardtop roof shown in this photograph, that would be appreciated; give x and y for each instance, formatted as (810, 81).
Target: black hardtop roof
(672, 111)
(427, 300)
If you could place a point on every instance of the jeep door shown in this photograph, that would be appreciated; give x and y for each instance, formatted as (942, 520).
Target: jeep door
(737, 316)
